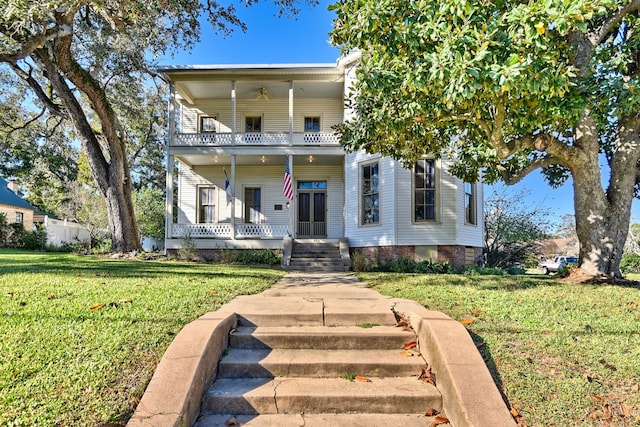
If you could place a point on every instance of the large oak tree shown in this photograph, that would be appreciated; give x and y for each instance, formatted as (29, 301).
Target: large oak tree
(507, 87)
(78, 56)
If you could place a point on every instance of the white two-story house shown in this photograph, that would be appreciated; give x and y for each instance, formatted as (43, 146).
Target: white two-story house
(257, 160)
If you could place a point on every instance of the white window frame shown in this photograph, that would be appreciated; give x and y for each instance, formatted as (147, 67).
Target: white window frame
(362, 195)
(260, 213)
(19, 217)
(436, 191)
(216, 124)
(470, 203)
(199, 204)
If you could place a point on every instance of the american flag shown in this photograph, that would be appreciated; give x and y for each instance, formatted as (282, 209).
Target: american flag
(287, 188)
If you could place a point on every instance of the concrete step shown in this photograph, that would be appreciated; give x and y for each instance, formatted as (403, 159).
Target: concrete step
(261, 363)
(318, 420)
(321, 337)
(253, 396)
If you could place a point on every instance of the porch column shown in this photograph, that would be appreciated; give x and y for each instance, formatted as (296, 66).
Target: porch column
(168, 221)
(233, 112)
(291, 114)
(233, 191)
(292, 205)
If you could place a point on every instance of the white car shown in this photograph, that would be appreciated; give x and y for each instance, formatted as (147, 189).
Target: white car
(551, 266)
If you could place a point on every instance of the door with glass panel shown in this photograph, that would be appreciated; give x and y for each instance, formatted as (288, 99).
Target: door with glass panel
(312, 209)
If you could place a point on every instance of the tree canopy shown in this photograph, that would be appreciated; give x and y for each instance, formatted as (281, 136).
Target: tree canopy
(505, 88)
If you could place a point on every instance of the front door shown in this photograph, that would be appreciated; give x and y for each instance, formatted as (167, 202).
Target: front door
(312, 209)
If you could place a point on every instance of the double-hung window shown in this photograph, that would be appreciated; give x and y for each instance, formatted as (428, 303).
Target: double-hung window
(252, 205)
(312, 129)
(206, 204)
(19, 218)
(470, 203)
(370, 196)
(208, 124)
(424, 190)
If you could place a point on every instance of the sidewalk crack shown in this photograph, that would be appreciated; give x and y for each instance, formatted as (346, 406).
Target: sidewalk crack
(275, 395)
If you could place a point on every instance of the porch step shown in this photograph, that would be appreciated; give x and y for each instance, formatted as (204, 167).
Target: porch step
(317, 420)
(316, 257)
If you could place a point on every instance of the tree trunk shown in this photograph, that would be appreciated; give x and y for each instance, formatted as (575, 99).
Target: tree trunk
(602, 218)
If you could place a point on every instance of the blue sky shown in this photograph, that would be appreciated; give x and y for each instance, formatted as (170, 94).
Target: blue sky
(273, 40)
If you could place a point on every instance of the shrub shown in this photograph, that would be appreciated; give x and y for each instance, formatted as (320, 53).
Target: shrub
(253, 256)
(35, 240)
(359, 262)
(474, 270)
(630, 263)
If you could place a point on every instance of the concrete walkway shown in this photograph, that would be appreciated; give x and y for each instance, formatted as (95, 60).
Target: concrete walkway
(298, 337)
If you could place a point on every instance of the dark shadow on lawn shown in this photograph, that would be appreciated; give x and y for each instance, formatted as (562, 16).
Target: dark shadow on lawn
(485, 352)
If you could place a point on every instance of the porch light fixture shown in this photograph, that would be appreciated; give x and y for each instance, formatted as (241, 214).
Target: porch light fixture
(287, 205)
(263, 159)
(310, 159)
(215, 159)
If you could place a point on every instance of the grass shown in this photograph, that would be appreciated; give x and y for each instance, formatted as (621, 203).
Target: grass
(563, 354)
(64, 363)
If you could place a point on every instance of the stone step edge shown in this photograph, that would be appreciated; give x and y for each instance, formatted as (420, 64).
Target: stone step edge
(320, 395)
(318, 420)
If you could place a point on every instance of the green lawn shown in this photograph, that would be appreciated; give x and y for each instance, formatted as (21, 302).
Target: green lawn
(565, 354)
(81, 336)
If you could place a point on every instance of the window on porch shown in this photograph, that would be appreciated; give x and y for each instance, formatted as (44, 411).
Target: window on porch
(252, 205)
(370, 197)
(206, 204)
(208, 124)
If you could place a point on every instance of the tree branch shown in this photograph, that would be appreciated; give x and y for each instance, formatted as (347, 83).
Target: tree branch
(517, 176)
(39, 91)
(613, 21)
(27, 47)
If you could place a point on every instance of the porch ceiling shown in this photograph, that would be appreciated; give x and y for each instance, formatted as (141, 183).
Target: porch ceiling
(260, 160)
(249, 90)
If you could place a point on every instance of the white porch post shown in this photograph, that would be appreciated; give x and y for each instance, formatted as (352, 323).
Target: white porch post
(233, 191)
(170, 166)
(290, 113)
(233, 111)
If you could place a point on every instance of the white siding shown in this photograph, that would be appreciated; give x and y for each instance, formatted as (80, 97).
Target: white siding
(383, 233)
(275, 114)
(471, 234)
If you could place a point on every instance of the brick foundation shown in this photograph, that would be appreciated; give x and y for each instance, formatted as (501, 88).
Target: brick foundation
(456, 255)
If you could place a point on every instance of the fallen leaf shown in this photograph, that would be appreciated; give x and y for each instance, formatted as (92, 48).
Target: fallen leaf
(125, 300)
(477, 311)
(96, 307)
(212, 291)
(625, 410)
(607, 365)
(597, 398)
(428, 376)
(433, 424)
(52, 296)
(409, 345)
(594, 415)
(233, 421)
(608, 414)
(362, 379)
(113, 304)
(431, 412)
(467, 321)
(632, 303)
(406, 353)
(442, 420)
(514, 413)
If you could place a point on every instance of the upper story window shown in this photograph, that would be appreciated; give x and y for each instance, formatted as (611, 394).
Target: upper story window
(252, 205)
(208, 124)
(369, 194)
(424, 190)
(470, 203)
(312, 124)
(206, 204)
(253, 124)
(19, 218)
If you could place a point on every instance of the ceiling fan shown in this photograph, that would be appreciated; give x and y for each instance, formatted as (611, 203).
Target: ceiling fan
(265, 95)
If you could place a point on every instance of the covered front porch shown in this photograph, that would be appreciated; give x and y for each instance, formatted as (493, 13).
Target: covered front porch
(238, 200)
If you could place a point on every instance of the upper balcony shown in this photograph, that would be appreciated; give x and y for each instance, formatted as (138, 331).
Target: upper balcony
(228, 139)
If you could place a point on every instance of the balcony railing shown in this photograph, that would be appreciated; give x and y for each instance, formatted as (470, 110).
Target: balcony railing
(254, 138)
(224, 231)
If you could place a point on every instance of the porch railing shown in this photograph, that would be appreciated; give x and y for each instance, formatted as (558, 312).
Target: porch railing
(255, 138)
(224, 231)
